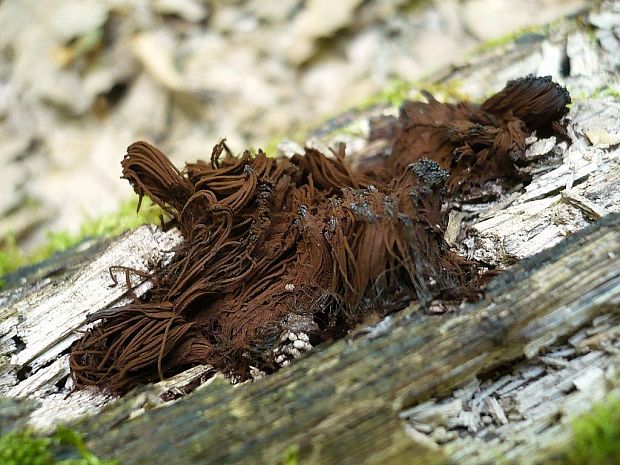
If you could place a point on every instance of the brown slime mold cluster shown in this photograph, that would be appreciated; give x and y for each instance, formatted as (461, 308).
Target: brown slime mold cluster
(309, 242)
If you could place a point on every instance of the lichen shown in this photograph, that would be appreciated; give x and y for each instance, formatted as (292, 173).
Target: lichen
(23, 447)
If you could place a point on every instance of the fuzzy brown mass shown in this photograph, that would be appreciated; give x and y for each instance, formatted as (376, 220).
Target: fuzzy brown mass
(268, 241)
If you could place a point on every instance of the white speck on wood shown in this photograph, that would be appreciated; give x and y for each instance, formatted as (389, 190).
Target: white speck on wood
(496, 411)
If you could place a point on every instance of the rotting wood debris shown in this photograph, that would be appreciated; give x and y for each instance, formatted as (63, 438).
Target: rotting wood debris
(309, 243)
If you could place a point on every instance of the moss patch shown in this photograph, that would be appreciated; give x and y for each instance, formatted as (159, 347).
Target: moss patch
(395, 93)
(603, 91)
(596, 437)
(65, 447)
(606, 91)
(290, 455)
(513, 37)
(399, 90)
(13, 257)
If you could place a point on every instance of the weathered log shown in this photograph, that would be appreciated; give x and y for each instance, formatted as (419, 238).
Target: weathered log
(571, 187)
(341, 404)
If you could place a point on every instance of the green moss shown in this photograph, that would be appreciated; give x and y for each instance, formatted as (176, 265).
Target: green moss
(13, 257)
(612, 92)
(298, 135)
(122, 220)
(290, 455)
(445, 91)
(510, 38)
(22, 447)
(399, 90)
(395, 93)
(606, 91)
(595, 438)
(271, 146)
(603, 91)
(596, 435)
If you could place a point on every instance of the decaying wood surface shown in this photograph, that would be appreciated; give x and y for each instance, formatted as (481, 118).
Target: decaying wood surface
(341, 404)
(411, 385)
(524, 414)
(39, 322)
